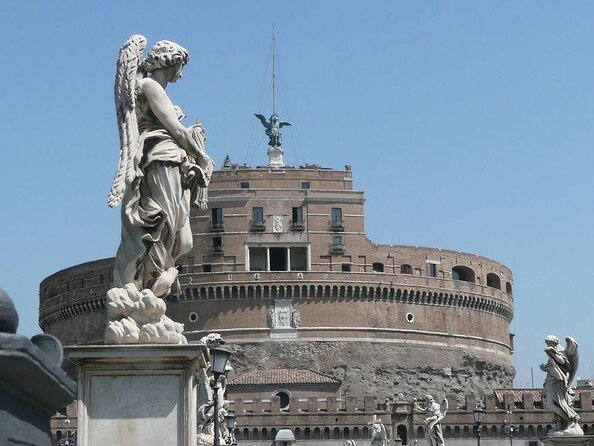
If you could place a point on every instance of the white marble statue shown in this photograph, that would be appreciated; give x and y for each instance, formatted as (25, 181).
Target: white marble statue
(434, 413)
(561, 369)
(163, 168)
(379, 435)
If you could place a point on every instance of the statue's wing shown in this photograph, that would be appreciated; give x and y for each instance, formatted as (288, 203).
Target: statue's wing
(125, 92)
(572, 353)
(262, 119)
(443, 408)
(284, 123)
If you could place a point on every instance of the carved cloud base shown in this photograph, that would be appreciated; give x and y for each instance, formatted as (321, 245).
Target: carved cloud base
(138, 317)
(137, 395)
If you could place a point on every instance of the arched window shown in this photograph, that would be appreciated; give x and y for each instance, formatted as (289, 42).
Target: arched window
(356, 434)
(420, 433)
(405, 269)
(463, 273)
(456, 431)
(326, 433)
(265, 434)
(493, 281)
(402, 433)
(284, 399)
(336, 433)
(255, 435)
(307, 434)
(317, 434)
(297, 433)
(466, 432)
(347, 433)
(508, 288)
(378, 267)
(448, 431)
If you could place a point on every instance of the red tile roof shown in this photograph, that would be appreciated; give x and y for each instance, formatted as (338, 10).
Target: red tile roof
(282, 376)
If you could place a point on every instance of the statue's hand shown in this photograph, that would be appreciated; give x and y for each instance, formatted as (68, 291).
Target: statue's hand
(543, 367)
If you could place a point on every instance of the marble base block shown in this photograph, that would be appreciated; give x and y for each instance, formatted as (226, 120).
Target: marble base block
(568, 440)
(137, 395)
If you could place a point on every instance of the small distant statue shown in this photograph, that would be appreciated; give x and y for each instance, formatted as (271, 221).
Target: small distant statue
(561, 368)
(273, 127)
(379, 435)
(434, 413)
(296, 318)
(270, 319)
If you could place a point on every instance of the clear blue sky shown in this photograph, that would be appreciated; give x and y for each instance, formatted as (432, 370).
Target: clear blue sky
(470, 125)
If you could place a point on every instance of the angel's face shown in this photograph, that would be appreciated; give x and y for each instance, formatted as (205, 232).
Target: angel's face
(175, 72)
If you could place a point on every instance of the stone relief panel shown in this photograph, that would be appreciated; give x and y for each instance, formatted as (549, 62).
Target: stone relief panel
(283, 316)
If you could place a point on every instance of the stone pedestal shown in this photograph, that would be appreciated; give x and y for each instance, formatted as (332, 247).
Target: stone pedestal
(32, 388)
(137, 395)
(582, 440)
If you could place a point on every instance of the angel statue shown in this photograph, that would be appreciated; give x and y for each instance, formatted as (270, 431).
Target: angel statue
(273, 127)
(163, 168)
(561, 368)
(379, 436)
(434, 413)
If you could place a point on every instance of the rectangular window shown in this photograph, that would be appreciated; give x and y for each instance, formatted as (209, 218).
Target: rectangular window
(432, 270)
(346, 267)
(258, 259)
(217, 217)
(305, 185)
(244, 184)
(278, 259)
(337, 240)
(298, 215)
(207, 268)
(336, 215)
(298, 258)
(258, 215)
(217, 244)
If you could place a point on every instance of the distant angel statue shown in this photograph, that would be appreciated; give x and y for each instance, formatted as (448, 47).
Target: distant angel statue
(561, 369)
(434, 413)
(273, 127)
(163, 168)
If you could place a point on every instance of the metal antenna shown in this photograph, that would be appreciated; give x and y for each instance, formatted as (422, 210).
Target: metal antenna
(273, 74)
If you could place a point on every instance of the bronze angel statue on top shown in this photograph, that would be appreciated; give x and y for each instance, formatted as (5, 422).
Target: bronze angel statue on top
(561, 369)
(273, 127)
(163, 169)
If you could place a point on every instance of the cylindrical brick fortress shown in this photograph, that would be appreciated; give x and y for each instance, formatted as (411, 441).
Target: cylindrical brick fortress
(281, 266)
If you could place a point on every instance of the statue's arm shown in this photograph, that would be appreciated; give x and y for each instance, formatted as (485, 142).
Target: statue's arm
(165, 112)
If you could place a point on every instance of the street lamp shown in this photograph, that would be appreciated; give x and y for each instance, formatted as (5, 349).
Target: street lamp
(509, 426)
(218, 361)
(230, 420)
(479, 416)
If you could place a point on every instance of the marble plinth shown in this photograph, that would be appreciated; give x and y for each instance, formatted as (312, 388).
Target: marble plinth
(137, 395)
(568, 440)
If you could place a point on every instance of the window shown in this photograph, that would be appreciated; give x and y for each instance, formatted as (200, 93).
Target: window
(337, 240)
(406, 269)
(207, 268)
(284, 399)
(378, 267)
(346, 267)
(305, 185)
(258, 258)
(493, 281)
(462, 273)
(336, 216)
(217, 218)
(258, 215)
(432, 269)
(244, 184)
(278, 258)
(217, 244)
(297, 219)
(298, 215)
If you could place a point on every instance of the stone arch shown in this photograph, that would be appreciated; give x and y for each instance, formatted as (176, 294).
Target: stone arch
(297, 433)
(463, 273)
(326, 433)
(317, 433)
(508, 288)
(493, 281)
(406, 269)
(336, 433)
(346, 433)
(307, 433)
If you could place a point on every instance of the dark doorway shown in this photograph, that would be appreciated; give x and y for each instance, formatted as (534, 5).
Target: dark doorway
(278, 259)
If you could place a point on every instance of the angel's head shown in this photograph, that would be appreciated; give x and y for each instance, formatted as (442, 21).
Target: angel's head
(167, 55)
(429, 398)
(552, 340)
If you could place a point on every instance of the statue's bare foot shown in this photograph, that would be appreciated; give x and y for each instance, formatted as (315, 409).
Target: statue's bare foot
(162, 285)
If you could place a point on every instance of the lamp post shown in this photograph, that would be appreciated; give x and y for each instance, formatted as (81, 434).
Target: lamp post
(230, 420)
(218, 361)
(479, 416)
